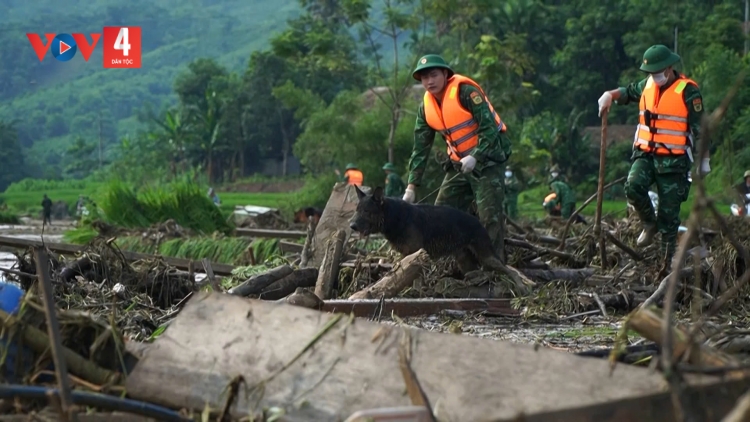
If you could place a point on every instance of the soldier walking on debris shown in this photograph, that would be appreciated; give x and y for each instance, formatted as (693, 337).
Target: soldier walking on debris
(564, 195)
(512, 189)
(670, 106)
(478, 145)
(394, 186)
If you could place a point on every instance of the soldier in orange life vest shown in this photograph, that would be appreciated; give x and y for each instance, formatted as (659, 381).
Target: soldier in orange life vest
(352, 175)
(476, 140)
(664, 144)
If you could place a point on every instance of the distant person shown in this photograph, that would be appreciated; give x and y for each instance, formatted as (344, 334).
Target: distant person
(564, 195)
(46, 210)
(352, 175)
(512, 188)
(214, 196)
(79, 206)
(394, 185)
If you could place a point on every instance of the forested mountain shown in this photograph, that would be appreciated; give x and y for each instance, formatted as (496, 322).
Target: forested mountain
(55, 102)
(544, 64)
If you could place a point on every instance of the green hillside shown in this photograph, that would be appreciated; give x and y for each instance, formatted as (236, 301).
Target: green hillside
(54, 101)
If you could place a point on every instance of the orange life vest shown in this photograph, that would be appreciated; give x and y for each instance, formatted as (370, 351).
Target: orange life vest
(453, 121)
(663, 119)
(550, 197)
(355, 177)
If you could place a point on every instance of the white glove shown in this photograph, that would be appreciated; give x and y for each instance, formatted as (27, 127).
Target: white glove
(467, 164)
(409, 196)
(605, 101)
(705, 167)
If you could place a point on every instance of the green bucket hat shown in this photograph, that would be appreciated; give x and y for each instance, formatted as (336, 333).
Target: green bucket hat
(657, 58)
(389, 166)
(350, 166)
(430, 61)
(747, 174)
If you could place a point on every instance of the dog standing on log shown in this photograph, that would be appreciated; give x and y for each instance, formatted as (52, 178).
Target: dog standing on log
(439, 230)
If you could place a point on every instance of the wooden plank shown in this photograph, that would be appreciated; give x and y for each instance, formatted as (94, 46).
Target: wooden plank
(70, 249)
(277, 234)
(290, 247)
(354, 365)
(414, 307)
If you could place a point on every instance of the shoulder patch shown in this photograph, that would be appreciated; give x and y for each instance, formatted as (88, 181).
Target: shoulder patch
(697, 104)
(476, 98)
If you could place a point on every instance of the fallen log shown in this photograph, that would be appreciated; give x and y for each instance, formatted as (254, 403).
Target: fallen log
(277, 234)
(257, 283)
(329, 269)
(404, 273)
(573, 275)
(649, 325)
(416, 307)
(303, 277)
(290, 247)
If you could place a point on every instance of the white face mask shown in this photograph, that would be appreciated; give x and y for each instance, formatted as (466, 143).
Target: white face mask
(555, 174)
(508, 174)
(659, 78)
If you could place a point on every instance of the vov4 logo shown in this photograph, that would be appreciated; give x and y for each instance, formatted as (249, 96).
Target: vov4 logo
(121, 44)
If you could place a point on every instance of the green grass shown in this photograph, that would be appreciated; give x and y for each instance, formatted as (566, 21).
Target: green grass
(224, 250)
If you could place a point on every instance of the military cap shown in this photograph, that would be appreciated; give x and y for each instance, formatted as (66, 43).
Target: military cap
(657, 58)
(429, 61)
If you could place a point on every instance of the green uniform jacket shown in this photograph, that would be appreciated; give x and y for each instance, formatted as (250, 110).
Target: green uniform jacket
(512, 187)
(394, 186)
(492, 146)
(694, 103)
(565, 195)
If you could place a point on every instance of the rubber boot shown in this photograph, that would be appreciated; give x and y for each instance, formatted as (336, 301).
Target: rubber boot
(647, 236)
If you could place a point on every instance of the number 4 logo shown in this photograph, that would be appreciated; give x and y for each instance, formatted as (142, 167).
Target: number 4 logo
(121, 43)
(122, 47)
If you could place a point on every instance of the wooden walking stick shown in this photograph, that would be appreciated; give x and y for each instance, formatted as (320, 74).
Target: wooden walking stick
(600, 191)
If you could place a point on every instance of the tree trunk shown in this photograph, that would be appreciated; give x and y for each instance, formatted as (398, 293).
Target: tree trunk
(395, 117)
(210, 166)
(284, 144)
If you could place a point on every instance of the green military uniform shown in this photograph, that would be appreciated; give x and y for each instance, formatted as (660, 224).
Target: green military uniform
(394, 186)
(485, 183)
(669, 172)
(512, 189)
(564, 196)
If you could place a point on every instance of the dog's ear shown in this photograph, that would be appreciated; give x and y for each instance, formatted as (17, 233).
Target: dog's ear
(377, 194)
(360, 194)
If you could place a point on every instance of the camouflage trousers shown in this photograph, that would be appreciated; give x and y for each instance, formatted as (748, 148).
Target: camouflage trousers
(510, 206)
(487, 189)
(673, 189)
